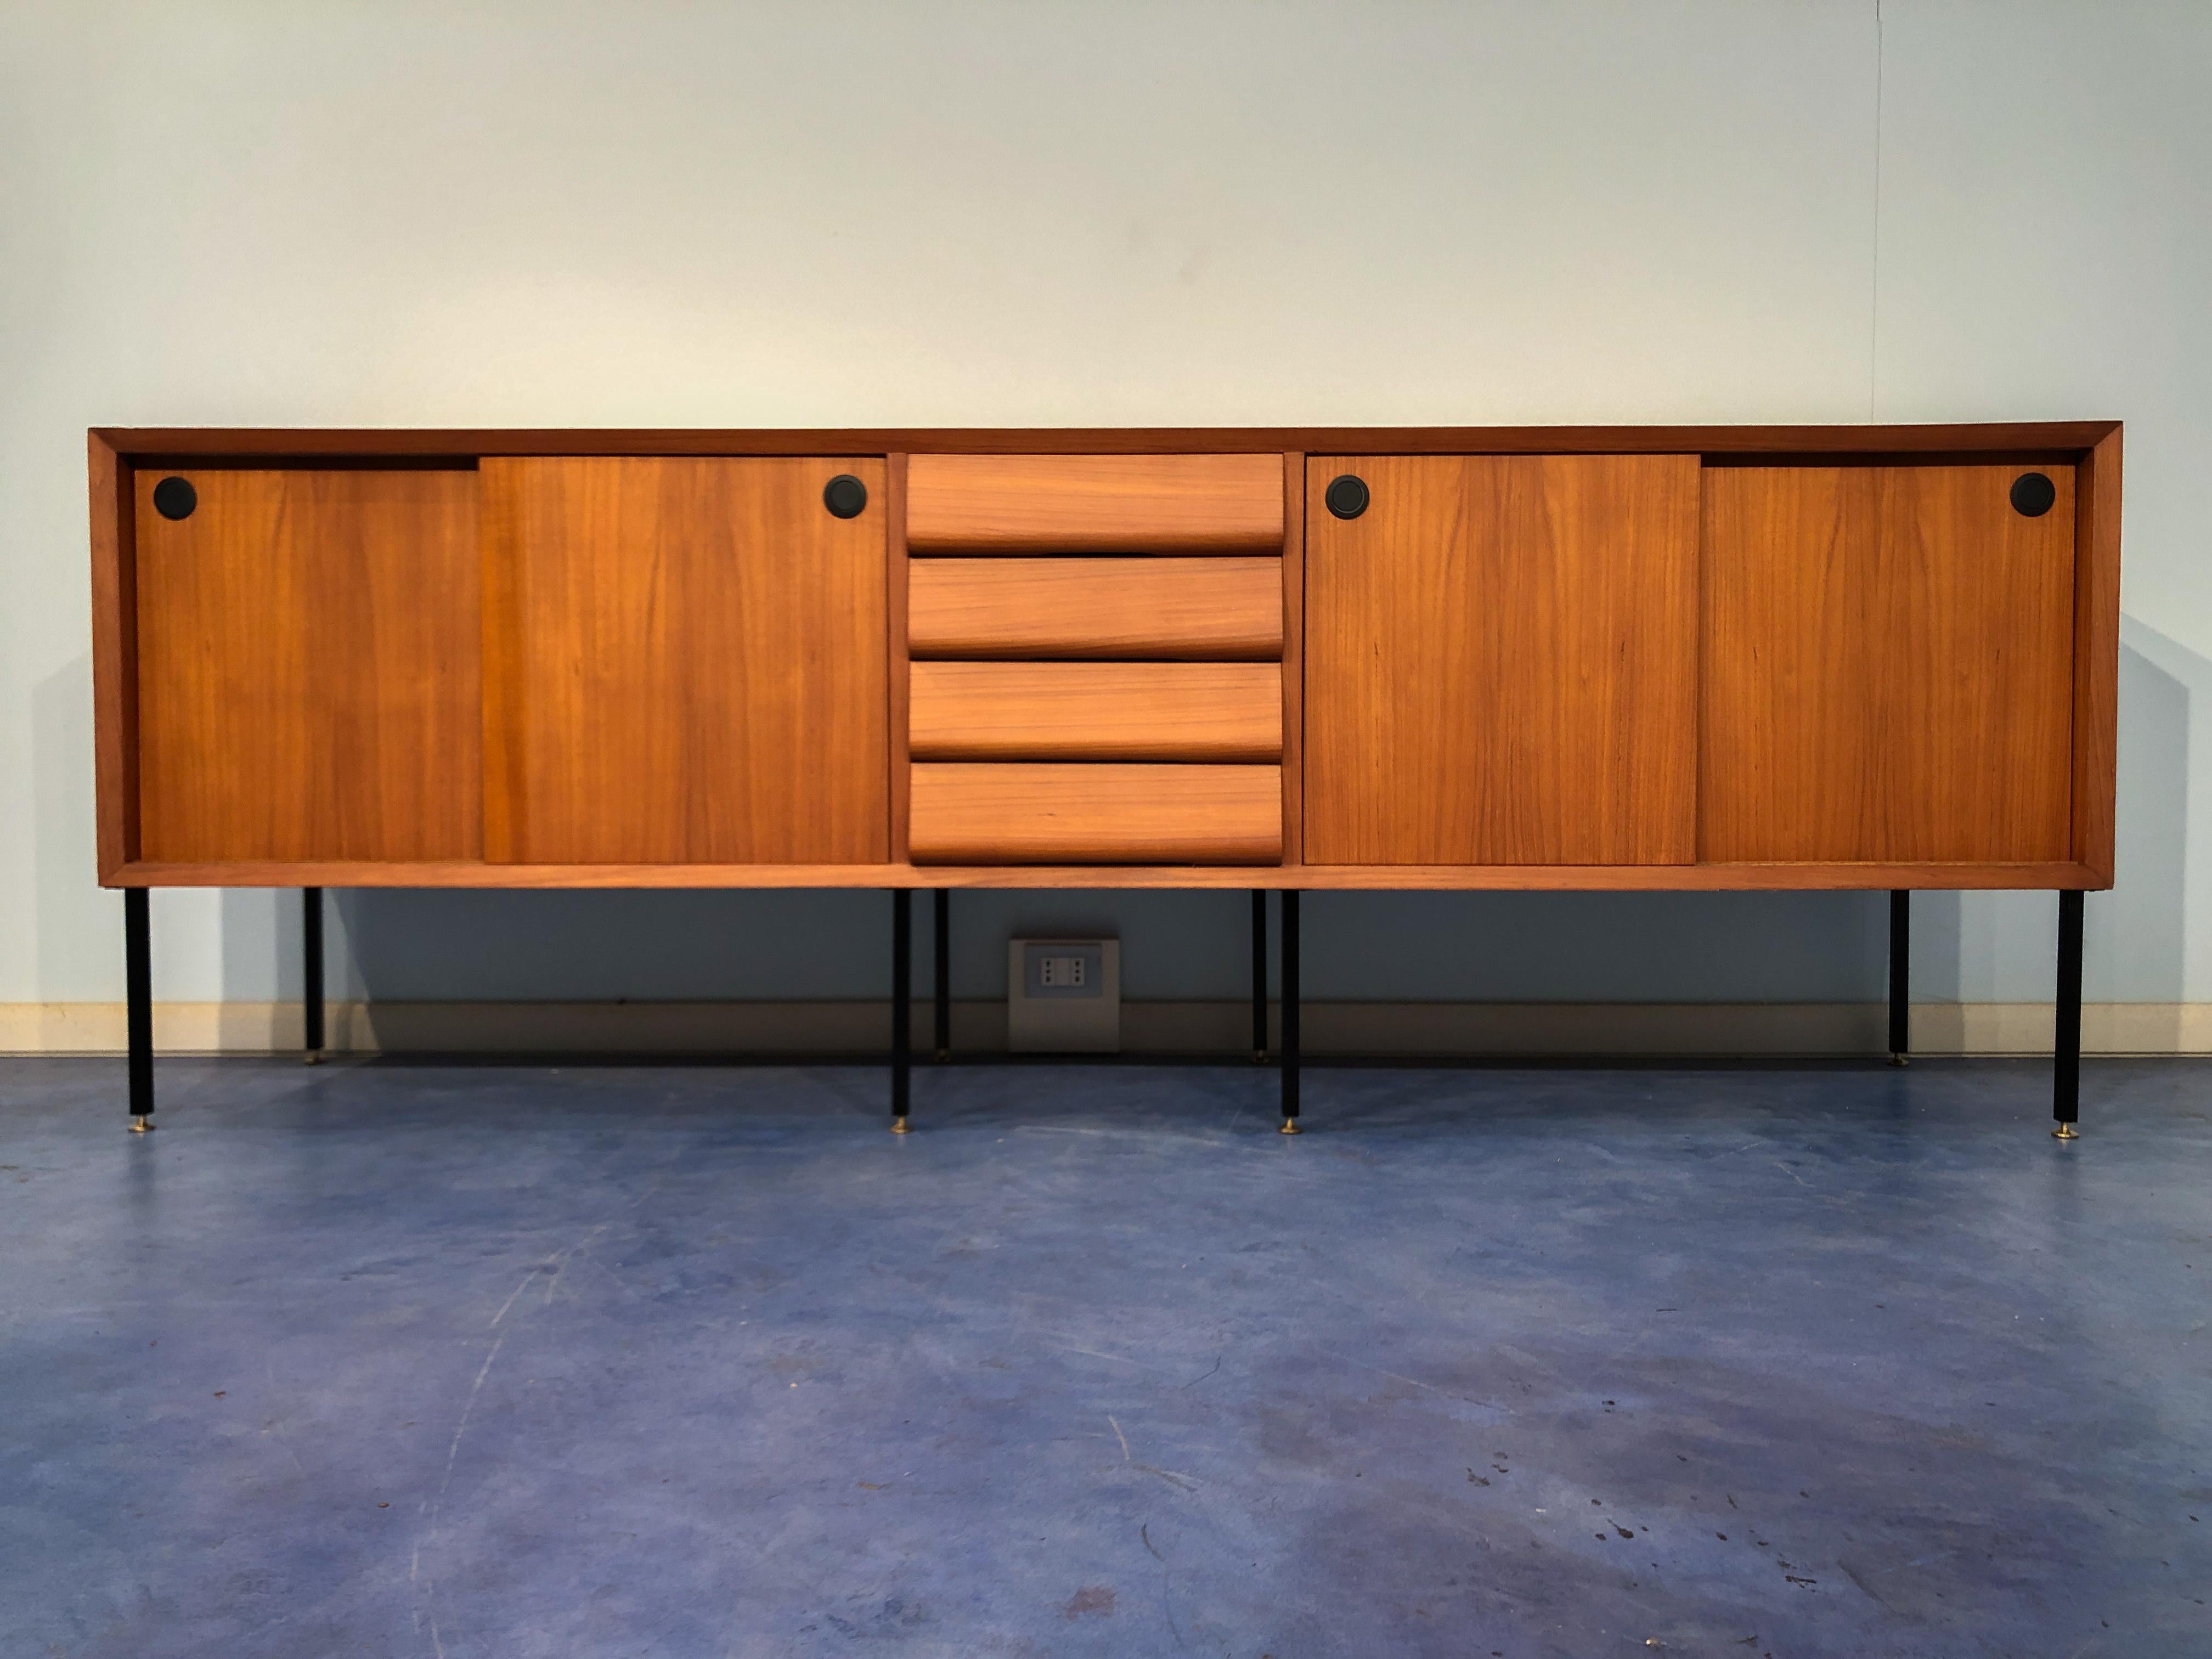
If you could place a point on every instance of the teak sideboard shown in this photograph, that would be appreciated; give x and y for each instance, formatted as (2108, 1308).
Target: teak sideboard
(1878, 657)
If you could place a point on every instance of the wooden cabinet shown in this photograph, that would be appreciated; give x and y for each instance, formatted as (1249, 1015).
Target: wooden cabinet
(1697, 656)
(1876, 658)
(685, 662)
(1501, 661)
(1888, 664)
(306, 664)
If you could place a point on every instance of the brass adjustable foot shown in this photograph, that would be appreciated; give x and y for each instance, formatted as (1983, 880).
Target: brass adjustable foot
(2064, 1132)
(1898, 1059)
(1291, 1127)
(312, 1057)
(1259, 1056)
(899, 1125)
(943, 1055)
(142, 1125)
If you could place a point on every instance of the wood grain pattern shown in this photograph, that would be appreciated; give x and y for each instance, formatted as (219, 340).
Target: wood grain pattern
(697, 661)
(1888, 665)
(1294, 677)
(114, 659)
(898, 600)
(1501, 661)
(1183, 711)
(1093, 504)
(2096, 657)
(1052, 813)
(1223, 608)
(1401, 878)
(307, 666)
(506, 667)
(2059, 440)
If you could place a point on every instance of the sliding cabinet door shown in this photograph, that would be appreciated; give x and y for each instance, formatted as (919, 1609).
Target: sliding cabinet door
(1889, 664)
(685, 662)
(1501, 656)
(306, 664)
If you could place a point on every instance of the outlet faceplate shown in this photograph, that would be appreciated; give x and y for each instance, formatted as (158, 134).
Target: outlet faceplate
(1064, 996)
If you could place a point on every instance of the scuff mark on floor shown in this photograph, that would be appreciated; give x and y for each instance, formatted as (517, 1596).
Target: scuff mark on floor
(1172, 1477)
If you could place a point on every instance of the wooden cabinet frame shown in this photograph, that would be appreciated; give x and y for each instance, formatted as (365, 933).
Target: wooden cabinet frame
(2093, 448)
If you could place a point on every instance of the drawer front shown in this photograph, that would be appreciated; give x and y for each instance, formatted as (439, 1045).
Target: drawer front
(1194, 711)
(1228, 609)
(1094, 503)
(978, 813)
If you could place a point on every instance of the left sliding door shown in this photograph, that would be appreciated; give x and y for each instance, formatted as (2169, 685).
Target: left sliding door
(685, 661)
(307, 665)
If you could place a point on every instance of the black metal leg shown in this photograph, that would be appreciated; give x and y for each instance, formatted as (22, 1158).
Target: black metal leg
(942, 917)
(901, 1004)
(310, 973)
(2066, 1051)
(1289, 1060)
(1259, 975)
(1900, 977)
(138, 1007)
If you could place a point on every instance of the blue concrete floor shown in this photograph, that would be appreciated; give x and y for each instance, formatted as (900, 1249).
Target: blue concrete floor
(388, 1359)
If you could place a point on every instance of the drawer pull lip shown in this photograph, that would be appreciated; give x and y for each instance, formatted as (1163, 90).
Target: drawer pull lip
(1347, 495)
(1219, 608)
(845, 495)
(1136, 504)
(1096, 711)
(175, 498)
(1103, 812)
(2033, 494)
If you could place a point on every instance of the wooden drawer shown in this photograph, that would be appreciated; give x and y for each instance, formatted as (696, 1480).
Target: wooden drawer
(1183, 711)
(968, 813)
(1225, 610)
(1094, 503)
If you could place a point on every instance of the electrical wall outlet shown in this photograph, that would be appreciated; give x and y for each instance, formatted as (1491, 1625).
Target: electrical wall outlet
(1075, 976)
(1064, 996)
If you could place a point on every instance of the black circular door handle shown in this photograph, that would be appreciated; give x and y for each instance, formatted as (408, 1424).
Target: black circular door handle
(845, 496)
(1347, 495)
(2032, 494)
(175, 498)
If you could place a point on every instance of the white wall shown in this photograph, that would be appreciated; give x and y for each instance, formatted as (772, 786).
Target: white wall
(807, 214)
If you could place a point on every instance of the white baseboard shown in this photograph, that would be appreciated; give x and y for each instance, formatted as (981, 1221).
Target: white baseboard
(1411, 1029)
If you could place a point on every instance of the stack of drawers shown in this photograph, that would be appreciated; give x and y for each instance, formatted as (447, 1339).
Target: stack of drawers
(1096, 648)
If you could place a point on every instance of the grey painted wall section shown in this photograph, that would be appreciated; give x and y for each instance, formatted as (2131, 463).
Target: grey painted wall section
(823, 214)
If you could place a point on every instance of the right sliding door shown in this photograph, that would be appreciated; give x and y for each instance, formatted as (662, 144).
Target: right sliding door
(1886, 664)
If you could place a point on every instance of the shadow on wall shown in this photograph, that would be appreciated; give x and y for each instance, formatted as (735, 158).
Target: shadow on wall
(2003, 947)
(1410, 947)
(758, 946)
(645, 947)
(2137, 935)
(1520, 947)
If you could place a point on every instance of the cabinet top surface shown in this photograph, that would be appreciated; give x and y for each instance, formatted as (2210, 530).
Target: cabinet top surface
(2051, 439)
